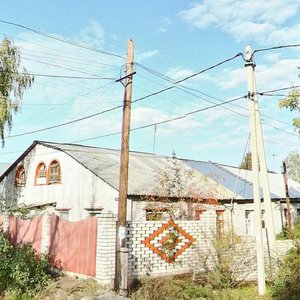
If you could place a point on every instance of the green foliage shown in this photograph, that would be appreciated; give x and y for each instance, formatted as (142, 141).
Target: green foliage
(22, 271)
(185, 288)
(14, 81)
(171, 288)
(292, 102)
(293, 165)
(294, 234)
(247, 162)
(227, 263)
(286, 285)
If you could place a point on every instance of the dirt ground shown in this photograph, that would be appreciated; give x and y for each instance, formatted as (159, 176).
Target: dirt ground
(71, 288)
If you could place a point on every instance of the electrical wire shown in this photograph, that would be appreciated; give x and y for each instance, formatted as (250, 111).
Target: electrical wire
(60, 76)
(168, 120)
(61, 39)
(62, 67)
(275, 48)
(66, 123)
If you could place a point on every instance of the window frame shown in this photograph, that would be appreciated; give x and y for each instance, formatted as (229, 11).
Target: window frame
(95, 211)
(57, 180)
(64, 213)
(155, 214)
(20, 170)
(38, 179)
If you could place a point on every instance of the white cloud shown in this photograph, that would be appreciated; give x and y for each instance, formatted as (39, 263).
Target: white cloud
(178, 73)
(245, 20)
(145, 55)
(165, 25)
(92, 35)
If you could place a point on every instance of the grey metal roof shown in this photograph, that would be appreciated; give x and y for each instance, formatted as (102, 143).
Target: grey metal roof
(3, 167)
(241, 188)
(211, 180)
(276, 182)
(144, 170)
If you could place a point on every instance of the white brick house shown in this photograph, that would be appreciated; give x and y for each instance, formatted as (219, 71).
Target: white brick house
(76, 181)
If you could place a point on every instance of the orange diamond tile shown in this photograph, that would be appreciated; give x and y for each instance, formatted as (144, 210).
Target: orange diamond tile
(160, 241)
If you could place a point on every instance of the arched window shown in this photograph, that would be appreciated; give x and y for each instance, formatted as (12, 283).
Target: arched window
(41, 174)
(54, 172)
(20, 178)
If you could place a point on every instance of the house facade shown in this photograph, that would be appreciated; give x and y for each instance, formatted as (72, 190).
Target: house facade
(76, 182)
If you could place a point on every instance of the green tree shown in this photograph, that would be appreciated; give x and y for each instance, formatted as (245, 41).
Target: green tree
(292, 102)
(14, 80)
(247, 162)
(293, 165)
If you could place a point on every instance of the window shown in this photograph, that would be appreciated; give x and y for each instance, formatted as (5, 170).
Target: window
(64, 214)
(249, 221)
(154, 215)
(220, 222)
(95, 211)
(20, 178)
(54, 172)
(41, 174)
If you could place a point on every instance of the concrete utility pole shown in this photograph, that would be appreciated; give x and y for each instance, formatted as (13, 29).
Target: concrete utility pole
(255, 168)
(287, 198)
(122, 255)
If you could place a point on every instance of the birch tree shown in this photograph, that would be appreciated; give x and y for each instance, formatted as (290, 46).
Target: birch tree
(14, 80)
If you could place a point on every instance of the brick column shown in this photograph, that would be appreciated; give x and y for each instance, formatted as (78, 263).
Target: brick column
(106, 249)
(45, 234)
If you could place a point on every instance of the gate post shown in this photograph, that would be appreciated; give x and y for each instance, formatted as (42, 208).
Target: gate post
(45, 234)
(106, 249)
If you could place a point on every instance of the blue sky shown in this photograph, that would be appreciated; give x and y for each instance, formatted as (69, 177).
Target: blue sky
(173, 39)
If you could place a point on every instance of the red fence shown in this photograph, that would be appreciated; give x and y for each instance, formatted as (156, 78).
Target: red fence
(26, 231)
(73, 245)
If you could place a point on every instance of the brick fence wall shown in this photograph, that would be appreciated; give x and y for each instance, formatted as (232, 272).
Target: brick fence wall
(156, 248)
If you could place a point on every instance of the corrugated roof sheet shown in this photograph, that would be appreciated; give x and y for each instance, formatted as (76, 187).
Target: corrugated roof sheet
(209, 179)
(144, 170)
(276, 182)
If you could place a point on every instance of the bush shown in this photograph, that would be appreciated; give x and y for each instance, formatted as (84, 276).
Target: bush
(22, 271)
(170, 289)
(185, 289)
(286, 285)
(227, 262)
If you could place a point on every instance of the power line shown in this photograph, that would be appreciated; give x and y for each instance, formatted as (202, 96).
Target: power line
(188, 77)
(275, 48)
(61, 39)
(168, 120)
(61, 67)
(61, 76)
(278, 90)
(185, 89)
(66, 123)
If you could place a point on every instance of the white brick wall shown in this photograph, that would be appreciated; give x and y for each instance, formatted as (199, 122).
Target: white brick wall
(143, 261)
(79, 188)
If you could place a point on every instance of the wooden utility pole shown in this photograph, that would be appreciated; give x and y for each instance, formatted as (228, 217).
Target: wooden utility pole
(122, 252)
(261, 282)
(287, 199)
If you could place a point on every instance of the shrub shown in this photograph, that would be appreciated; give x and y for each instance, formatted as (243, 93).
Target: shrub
(171, 288)
(227, 261)
(22, 271)
(286, 285)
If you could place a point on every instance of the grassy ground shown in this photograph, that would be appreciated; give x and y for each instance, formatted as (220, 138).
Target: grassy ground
(185, 289)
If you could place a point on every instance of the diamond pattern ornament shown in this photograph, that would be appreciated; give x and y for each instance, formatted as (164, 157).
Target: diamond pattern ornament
(169, 241)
